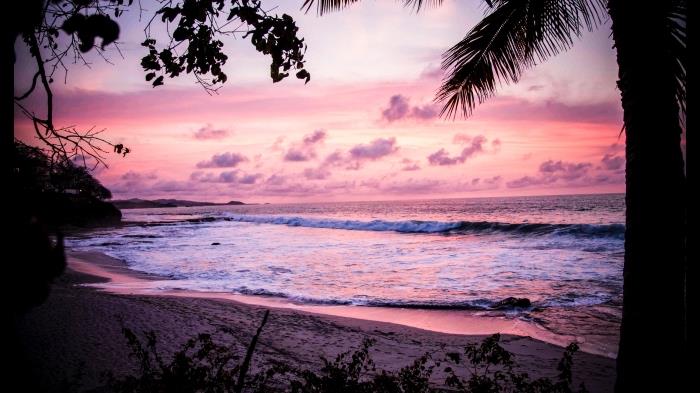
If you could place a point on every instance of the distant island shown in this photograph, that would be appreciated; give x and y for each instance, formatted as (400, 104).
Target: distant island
(136, 203)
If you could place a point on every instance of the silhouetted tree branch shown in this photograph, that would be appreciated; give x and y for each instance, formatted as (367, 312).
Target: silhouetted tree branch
(65, 30)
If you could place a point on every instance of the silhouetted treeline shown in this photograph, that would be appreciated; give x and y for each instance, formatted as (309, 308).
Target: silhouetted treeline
(60, 192)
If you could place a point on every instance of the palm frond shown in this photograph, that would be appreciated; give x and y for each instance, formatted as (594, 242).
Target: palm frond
(514, 36)
(325, 6)
(677, 28)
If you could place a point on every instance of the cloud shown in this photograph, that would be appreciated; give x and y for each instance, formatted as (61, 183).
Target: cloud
(298, 155)
(613, 162)
(432, 71)
(171, 186)
(132, 181)
(353, 159)
(316, 137)
(209, 132)
(561, 173)
(306, 149)
(564, 170)
(412, 186)
(442, 157)
(615, 148)
(375, 150)
(320, 173)
(461, 139)
(409, 165)
(516, 109)
(525, 181)
(139, 176)
(230, 177)
(399, 108)
(277, 145)
(224, 160)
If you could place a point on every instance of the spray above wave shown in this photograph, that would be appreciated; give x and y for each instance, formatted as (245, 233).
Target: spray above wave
(446, 227)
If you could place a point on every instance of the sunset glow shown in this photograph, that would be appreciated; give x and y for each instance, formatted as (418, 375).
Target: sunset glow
(364, 128)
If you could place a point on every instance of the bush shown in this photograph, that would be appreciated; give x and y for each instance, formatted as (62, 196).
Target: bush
(202, 365)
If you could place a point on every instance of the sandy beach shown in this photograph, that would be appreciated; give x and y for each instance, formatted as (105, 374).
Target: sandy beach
(78, 330)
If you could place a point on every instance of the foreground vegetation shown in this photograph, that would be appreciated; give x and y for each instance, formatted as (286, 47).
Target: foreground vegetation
(202, 365)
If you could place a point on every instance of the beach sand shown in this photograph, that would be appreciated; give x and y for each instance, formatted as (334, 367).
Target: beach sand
(78, 330)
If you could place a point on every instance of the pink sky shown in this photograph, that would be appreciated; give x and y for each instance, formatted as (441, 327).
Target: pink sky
(364, 128)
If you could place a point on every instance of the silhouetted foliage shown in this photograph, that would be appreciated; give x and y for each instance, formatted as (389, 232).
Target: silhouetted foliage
(491, 369)
(202, 365)
(36, 173)
(56, 31)
(197, 27)
(356, 372)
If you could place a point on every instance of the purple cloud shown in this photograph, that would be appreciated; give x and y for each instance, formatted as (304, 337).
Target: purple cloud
(297, 155)
(375, 150)
(132, 181)
(442, 157)
(561, 173)
(209, 132)
(139, 176)
(315, 137)
(354, 158)
(613, 162)
(564, 170)
(230, 177)
(316, 173)
(306, 150)
(224, 160)
(399, 108)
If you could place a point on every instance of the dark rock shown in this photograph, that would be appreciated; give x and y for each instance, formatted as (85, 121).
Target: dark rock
(512, 302)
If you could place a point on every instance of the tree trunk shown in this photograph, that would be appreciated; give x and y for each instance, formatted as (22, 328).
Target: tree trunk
(653, 337)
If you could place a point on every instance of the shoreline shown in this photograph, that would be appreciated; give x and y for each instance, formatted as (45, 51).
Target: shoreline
(78, 331)
(125, 281)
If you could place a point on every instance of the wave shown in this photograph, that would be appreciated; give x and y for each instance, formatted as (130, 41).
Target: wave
(439, 227)
(473, 305)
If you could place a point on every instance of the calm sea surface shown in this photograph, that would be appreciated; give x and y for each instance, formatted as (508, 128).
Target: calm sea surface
(564, 253)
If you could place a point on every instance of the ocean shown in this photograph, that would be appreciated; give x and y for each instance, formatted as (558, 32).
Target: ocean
(563, 253)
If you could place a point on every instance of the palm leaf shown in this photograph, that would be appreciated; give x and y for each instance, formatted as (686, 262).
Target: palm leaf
(324, 6)
(514, 36)
(677, 25)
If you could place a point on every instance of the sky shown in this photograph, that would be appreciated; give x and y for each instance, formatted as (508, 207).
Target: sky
(364, 128)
